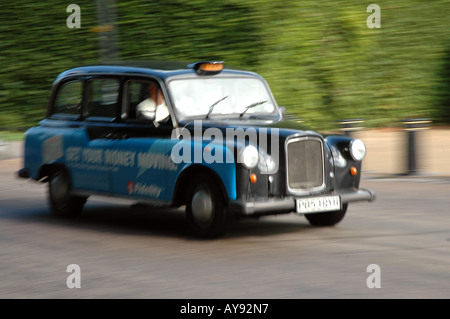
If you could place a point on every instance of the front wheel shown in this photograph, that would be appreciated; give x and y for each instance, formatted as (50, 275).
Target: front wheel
(328, 218)
(62, 203)
(205, 207)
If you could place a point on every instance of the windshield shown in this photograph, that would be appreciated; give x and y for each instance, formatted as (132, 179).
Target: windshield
(225, 97)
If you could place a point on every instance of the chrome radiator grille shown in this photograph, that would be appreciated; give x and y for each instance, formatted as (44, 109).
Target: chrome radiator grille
(304, 157)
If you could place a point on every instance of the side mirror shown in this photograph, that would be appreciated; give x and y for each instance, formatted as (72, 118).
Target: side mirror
(283, 110)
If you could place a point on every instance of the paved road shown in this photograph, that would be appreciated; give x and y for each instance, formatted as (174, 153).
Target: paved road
(128, 252)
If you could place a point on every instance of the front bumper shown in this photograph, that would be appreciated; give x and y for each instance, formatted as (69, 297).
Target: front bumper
(272, 206)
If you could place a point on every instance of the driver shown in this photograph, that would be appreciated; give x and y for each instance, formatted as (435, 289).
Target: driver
(154, 106)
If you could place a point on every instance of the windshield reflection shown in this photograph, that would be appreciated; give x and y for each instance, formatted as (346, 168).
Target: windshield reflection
(225, 97)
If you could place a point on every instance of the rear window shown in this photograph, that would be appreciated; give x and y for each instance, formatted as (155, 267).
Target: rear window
(69, 99)
(102, 97)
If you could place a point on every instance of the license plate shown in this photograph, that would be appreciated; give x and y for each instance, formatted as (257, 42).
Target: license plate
(318, 204)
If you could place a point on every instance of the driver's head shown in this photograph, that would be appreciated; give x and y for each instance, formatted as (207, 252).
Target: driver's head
(153, 89)
(155, 93)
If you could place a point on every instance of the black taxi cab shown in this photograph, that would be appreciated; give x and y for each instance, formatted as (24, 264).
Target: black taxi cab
(198, 135)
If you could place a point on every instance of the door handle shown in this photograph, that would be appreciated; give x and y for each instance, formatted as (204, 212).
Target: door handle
(116, 136)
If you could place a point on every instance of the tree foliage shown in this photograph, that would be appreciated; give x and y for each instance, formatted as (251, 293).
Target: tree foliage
(321, 60)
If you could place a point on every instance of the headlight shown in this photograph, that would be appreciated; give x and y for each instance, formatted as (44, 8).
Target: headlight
(357, 150)
(249, 156)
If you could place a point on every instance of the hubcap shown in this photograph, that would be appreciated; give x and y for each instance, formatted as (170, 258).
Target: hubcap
(202, 206)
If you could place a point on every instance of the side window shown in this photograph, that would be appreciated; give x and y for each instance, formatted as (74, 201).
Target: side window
(135, 93)
(144, 100)
(69, 98)
(102, 97)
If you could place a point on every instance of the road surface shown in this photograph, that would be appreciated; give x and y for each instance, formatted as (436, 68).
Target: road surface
(399, 243)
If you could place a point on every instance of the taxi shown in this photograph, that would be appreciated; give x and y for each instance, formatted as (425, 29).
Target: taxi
(196, 135)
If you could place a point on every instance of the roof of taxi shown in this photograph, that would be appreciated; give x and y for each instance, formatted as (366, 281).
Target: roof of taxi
(162, 69)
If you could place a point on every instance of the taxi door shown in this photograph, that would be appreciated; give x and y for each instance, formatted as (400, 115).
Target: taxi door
(85, 156)
(140, 158)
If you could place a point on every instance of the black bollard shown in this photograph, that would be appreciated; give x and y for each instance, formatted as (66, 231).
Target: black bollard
(351, 125)
(412, 127)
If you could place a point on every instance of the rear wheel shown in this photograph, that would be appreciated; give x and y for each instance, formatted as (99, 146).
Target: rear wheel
(328, 218)
(62, 203)
(205, 207)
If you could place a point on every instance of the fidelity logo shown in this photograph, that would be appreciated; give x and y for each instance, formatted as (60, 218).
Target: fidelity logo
(130, 187)
(143, 189)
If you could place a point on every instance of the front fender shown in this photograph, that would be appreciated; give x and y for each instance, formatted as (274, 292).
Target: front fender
(214, 157)
(343, 163)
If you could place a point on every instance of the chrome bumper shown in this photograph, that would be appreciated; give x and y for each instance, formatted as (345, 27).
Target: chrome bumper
(272, 206)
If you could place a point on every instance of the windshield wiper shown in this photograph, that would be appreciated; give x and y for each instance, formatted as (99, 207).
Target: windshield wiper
(250, 106)
(211, 108)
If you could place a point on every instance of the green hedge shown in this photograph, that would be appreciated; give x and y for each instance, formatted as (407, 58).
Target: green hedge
(322, 61)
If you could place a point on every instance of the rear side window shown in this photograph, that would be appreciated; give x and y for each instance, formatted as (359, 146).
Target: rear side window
(69, 99)
(102, 97)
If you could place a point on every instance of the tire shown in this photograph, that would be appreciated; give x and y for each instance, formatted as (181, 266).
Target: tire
(61, 202)
(328, 218)
(205, 207)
